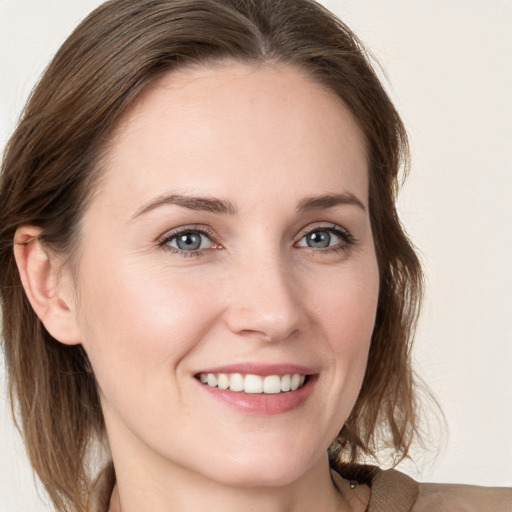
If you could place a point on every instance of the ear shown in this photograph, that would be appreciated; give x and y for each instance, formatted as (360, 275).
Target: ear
(49, 292)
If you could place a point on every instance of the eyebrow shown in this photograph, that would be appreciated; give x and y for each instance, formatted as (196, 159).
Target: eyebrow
(204, 204)
(329, 201)
(221, 206)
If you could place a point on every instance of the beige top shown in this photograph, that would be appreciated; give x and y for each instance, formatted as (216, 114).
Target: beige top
(392, 491)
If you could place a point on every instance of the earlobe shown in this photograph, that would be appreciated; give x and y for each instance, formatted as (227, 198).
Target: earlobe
(44, 286)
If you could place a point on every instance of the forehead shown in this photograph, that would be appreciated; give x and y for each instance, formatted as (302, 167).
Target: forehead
(248, 126)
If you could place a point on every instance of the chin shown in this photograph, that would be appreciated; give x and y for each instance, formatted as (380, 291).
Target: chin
(262, 470)
(257, 478)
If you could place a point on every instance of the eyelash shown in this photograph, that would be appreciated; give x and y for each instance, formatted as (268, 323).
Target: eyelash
(347, 239)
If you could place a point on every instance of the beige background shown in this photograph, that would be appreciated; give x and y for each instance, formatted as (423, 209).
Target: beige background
(449, 70)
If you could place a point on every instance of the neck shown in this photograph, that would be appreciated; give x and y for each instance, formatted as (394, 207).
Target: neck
(141, 491)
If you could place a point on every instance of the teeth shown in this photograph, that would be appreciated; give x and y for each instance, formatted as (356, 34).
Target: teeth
(223, 381)
(294, 385)
(286, 381)
(253, 384)
(236, 382)
(272, 384)
(211, 380)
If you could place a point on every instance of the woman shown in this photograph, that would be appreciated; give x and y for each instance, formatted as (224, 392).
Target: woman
(203, 269)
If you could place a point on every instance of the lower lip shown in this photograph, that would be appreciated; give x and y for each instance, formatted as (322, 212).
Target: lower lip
(263, 404)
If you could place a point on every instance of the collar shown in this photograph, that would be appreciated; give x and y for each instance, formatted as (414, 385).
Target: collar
(390, 489)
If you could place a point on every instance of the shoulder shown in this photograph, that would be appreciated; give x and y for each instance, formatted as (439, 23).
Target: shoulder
(462, 498)
(394, 491)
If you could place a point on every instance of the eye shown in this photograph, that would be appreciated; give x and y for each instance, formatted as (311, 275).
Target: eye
(326, 238)
(188, 240)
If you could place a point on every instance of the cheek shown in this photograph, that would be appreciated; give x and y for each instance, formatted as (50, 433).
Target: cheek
(343, 303)
(139, 322)
(346, 312)
(348, 308)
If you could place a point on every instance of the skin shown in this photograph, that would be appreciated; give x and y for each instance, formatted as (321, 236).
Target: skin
(152, 316)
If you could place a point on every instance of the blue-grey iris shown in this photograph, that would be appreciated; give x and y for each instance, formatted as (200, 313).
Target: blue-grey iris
(318, 239)
(189, 241)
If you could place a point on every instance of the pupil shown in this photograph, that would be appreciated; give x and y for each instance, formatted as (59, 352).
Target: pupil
(319, 239)
(189, 241)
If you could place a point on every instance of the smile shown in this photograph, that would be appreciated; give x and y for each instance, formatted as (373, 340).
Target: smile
(254, 384)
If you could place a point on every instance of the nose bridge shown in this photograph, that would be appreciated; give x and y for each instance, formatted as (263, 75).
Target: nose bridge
(265, 298)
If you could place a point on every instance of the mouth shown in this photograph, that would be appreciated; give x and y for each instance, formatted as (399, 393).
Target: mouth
(253, 383)
(259, 389)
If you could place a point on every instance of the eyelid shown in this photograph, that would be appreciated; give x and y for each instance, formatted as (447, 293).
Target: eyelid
(336, 228)
(169, 233)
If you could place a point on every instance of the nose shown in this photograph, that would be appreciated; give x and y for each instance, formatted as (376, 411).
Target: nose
(266, 302)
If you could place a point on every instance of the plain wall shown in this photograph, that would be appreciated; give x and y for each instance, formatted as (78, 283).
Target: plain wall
(448, 66)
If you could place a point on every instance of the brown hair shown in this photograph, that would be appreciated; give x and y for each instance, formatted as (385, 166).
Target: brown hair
(52, 161)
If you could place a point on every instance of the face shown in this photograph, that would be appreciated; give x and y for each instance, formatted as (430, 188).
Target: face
(227, 279)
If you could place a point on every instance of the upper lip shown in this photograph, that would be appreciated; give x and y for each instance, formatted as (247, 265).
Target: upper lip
(260, 369)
